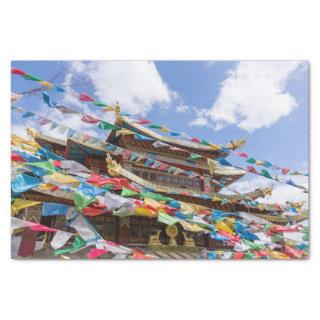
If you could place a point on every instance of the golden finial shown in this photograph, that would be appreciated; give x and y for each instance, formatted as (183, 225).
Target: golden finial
(32, 133)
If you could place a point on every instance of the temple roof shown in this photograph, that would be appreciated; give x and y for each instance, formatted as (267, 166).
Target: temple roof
(126, 122)
(223, 174)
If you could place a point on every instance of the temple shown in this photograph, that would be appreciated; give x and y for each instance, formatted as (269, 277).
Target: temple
(199, 191)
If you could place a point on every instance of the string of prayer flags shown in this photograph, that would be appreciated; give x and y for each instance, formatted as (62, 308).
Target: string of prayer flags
(87, 98)
(151, 162)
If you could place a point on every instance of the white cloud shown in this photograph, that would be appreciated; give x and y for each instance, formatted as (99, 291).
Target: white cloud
(281, 192)
(253, 96)
(136, 85)
(182, 108)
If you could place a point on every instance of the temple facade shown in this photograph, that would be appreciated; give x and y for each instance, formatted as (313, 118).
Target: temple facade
(205, 181)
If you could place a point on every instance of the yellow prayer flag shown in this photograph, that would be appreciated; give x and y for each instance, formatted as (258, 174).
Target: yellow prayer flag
(59, 178)
(19, 204)
(220, 225)
(211, 165)
(259, 163)
(46, 186)
(152, 202)
(278, 255)
(144, 211)
(214, 146)
(46, 84)
(24, 143)
(106, 109)
(216, 198)
(191, 227)
(164, 129)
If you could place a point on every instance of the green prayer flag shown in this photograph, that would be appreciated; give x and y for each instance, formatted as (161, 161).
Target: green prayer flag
(107, 126)
(194, 156)
(252, 245)
(154, 126)
(100, 103)
(81, 201)
(251, 160)
(249, 255)
(172, 169)
(276, 238)
(305, 237)
(166, 219)
(77, 243)
(107, 186)
(47, 165)
(154, 196)
(206, 143)
(128, 193)
(31, 77)
(266, 174)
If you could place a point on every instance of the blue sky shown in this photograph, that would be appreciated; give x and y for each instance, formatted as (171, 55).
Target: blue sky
(176, 93)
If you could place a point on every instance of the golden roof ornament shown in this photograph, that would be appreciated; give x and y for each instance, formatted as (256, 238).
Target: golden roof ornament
(112, 166)
(32, 133)
(117, 111)
(239, 143)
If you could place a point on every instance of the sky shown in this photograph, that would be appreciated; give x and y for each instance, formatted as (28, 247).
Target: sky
(265, 101)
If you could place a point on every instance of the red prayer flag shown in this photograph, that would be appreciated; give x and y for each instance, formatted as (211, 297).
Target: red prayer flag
(251, 169)
(85, 97)
(97, 180)
(292, 252)
(143, 121)
(57, 163)
(238, 255)
(163, 167)
(16, 157)
(285, 170)
(140, 256)
(95, 253)
(42, 122)
(92, 212)
(195, 140)
(242, 154)
(88, 119)
(18, 71)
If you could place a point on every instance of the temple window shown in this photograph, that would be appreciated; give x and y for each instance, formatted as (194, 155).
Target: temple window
(190, 182)
(160, 178)
(145, 175)
(169, 179)
(139, 230)
(153, 176)
(136, 172)
(183, 181)
(175, 180)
